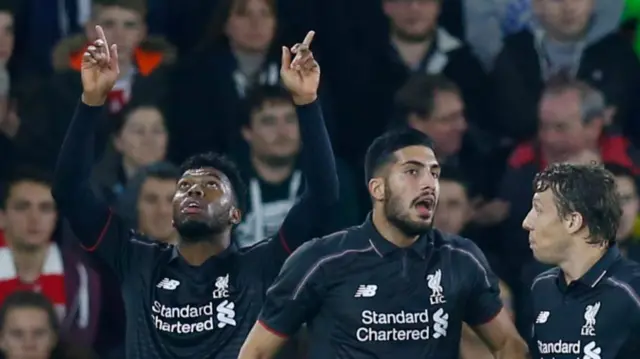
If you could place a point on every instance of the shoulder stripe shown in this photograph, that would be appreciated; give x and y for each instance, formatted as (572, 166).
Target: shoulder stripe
(474, 259)
(627, 288)
(541, 277)
(322, 261)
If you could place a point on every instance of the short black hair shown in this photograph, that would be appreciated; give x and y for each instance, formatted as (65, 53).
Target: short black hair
(118, 121)
(258, 97)
(163, 171)
(453, 174)
(381, 151)
(28, 299)
(587, 189)
(20, 175)
(417, 95)
(224, 165)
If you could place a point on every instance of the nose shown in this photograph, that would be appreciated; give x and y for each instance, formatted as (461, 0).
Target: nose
(195, 191)
(526, 223)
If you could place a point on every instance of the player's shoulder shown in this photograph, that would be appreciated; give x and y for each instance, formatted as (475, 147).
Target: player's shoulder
(448, 241)
(626, 275)
(545, 277)
(332, 246)
(143, 240)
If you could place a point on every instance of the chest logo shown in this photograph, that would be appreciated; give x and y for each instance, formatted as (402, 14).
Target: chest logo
(222, 288)
(542, 318)
(366, 291)
(433, 282)
(590, 313)
(168, 284)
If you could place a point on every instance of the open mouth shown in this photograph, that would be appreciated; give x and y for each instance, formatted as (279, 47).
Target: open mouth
(425, 206)
(191, 207)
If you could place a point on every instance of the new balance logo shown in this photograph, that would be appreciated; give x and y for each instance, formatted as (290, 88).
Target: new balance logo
(542, 318)
(366, 291)
(168, 284)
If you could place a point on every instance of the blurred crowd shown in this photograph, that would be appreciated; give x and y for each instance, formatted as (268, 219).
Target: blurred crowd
(503, 87)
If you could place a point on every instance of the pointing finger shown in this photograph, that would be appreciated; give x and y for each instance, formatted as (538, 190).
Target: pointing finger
(103, 38)
(307, 39)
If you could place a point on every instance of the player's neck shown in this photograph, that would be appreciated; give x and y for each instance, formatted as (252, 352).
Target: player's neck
(29, 262)
(580, 260)
(390, 232)
(197, 252)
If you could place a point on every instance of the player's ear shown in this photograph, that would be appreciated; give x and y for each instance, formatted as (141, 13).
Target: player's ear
(376, 189)
(235, 215)
(574, 222)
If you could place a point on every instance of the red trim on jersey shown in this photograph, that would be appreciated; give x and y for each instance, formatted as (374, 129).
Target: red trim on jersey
(284, 242)
(102, 234)
(272, 331)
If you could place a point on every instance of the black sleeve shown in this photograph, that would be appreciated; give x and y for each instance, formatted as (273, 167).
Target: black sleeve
(296, 295)
(98, 229)
(483, 303)
(312, 209)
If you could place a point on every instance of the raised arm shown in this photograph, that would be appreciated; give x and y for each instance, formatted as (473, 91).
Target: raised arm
(97, 228)
(302, 77)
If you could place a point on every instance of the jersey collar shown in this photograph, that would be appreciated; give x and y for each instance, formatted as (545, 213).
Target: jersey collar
(175, 253)
(598, 271)
(385, 247)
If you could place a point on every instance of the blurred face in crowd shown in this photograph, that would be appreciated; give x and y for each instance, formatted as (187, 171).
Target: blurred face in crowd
(251, 25)
(562, 132)
(565, 19)
(123, 27)
(143, 138)
(549, 238)
(446, 126)
(204, 204)
(27, 334)
(629, 199)
(6, 36)
(29, 217)
(408, 192)
(154, 208)
(453, 209)
(412, 20)
(273, 133)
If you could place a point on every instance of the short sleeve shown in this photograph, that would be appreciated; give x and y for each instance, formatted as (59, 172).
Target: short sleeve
(295, 296)
(484, 302)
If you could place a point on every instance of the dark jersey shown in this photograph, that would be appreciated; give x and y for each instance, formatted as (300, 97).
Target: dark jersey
(595, 317)
(363, 297)
(173, 309)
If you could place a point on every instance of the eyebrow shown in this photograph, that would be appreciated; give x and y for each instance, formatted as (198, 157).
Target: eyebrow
(420, 164)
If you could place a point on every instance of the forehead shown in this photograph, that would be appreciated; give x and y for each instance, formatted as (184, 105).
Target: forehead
(154, 183)
(204, 173)
(6, 19)
(416, 155)
(276, 105)
(450, 188)
(144, 116)
(545, 199)
(27, 316)
(30, 190)
(625, 184)
(560, 105)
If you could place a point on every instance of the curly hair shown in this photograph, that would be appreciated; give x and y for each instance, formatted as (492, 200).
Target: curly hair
(589, 190)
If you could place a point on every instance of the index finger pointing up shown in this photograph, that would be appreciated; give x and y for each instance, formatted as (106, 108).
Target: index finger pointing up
(307, 39)
(101, 36)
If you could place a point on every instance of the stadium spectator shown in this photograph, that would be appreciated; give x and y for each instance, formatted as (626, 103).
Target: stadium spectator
(146, 201)
(145, 63)
(31, 260)
(270, 168)
(237, 53)
(627, 187)
(140, 138)
(30, 329)
(566, 37)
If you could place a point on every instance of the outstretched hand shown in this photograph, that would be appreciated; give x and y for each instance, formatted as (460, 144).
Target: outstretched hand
(301, 76)
(99, 70)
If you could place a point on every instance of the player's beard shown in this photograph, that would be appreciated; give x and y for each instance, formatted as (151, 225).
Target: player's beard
(193, 231)
(399, 216)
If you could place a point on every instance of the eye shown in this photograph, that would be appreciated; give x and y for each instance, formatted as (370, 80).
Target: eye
(183, 185)
(412, 172)
(212, 184)
(435, 174)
